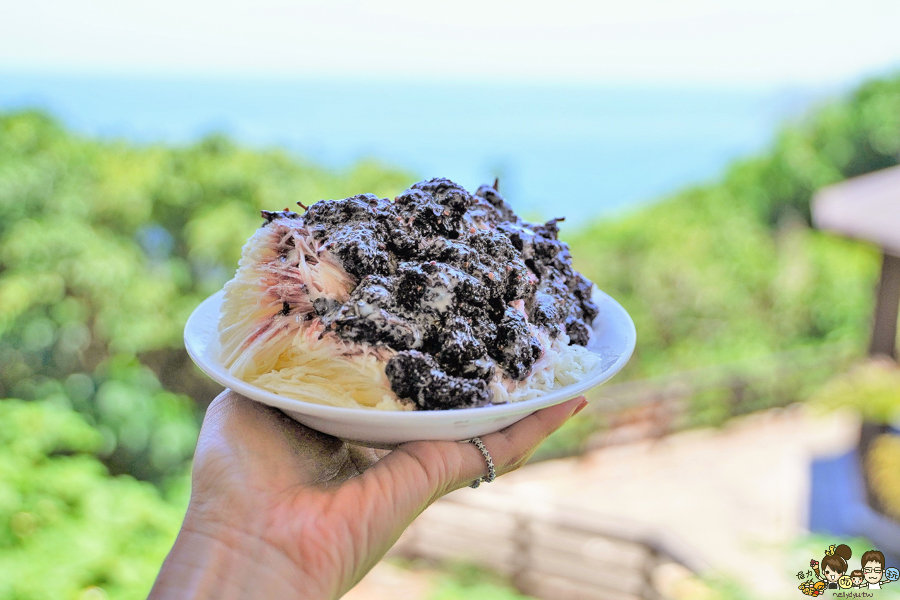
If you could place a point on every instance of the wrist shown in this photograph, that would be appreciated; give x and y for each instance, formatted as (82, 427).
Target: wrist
(215, 560)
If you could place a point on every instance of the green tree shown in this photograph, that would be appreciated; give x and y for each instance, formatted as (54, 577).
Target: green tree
(61, 514)
(732, 270)
(105, 248)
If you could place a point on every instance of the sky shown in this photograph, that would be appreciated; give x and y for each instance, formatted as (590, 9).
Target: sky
(685, 42)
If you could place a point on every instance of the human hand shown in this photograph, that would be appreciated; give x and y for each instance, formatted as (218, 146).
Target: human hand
(279, 510)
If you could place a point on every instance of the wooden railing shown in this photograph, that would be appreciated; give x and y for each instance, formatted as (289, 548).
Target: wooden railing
(548, 551)
(654, 407)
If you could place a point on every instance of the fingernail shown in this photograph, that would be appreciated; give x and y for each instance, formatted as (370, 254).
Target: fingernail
(580, 407)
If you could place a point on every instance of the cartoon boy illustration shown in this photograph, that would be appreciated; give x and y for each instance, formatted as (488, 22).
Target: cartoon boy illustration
(873, 568)
(857, 578)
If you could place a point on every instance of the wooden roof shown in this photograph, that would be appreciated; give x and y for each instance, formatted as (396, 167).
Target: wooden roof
(866, 208)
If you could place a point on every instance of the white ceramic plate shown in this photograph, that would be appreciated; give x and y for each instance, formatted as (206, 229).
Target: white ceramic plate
(613, 339)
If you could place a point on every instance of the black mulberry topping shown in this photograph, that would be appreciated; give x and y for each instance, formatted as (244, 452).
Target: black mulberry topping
(445, 279)
(416, 376)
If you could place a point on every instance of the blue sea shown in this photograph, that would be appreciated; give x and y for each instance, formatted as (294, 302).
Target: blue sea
(567, 151)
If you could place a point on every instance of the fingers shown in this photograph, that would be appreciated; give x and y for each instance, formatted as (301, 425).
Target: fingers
(261, 447)
(417, 473)
(511, 448)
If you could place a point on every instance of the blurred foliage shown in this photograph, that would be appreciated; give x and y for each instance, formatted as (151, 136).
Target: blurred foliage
(708, 283)
(452, 589)
(728, 282)
(883, 471)
(872, 389)
(105, 248)
(717, 395)
(61, 513)
(465, 580)
(732, 273)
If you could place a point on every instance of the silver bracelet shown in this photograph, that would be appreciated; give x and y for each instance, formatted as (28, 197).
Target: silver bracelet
(492, 475)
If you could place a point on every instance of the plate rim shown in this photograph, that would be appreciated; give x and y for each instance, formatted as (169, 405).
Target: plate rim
(220, 374)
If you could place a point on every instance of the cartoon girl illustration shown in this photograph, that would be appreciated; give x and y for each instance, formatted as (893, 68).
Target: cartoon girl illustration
(857, 577)
(834, 565)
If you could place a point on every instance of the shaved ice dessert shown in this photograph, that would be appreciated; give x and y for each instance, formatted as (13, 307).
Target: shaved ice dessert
(439, 299)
